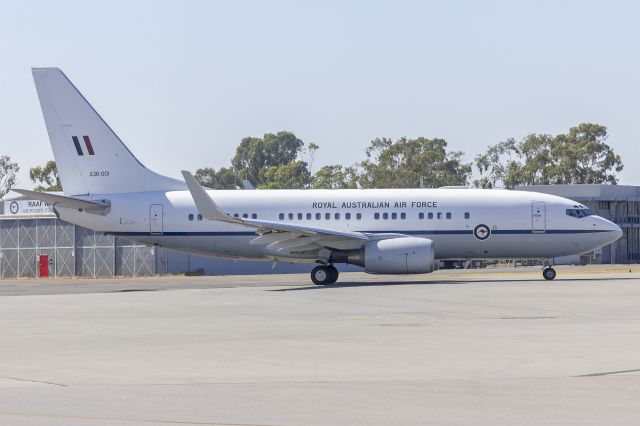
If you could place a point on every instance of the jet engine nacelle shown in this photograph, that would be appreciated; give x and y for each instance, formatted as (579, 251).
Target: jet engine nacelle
(405, 255)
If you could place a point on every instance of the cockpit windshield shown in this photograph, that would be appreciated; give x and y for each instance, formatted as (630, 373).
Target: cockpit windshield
(579, 212)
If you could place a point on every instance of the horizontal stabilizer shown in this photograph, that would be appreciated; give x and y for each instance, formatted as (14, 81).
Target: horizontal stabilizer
(68, 202)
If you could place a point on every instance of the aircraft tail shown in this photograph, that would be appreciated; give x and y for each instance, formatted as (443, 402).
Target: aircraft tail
(90, 157)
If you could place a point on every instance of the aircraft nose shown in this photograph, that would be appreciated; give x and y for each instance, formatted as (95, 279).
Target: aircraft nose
(612, 230)
(618, 231)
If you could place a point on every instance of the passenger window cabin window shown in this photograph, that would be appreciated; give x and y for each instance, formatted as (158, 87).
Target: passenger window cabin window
(448, 215)
(403, 215)
(467, 215)
(190, 216)
(254, 216)
(281, 216)
(236, 215)
(347, 216)
(430, 215)
(439, 215)
(376, 216)
(290, 216)
(199, 217)
(327, 216)
(394, 216)
(299, 216)
(318, 216)
(385, 216)
(358, 216)
(245, 215)
(336, 216)
(308, 216)
(420, 215)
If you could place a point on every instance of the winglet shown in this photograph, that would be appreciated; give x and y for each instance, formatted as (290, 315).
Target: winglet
(205, 205)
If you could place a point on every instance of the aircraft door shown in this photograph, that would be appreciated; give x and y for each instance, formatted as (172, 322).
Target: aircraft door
(155, 219)
(538, 217)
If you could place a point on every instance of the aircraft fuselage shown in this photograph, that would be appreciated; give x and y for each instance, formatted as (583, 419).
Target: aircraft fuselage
(463, 223)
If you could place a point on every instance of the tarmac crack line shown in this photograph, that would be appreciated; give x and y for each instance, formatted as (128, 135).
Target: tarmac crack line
(607, 373)
(18, 379)
(121, 419)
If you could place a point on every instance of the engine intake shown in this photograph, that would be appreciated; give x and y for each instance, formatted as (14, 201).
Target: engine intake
(404, 255)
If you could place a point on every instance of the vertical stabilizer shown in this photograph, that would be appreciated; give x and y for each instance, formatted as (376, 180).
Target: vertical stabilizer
(90, 157)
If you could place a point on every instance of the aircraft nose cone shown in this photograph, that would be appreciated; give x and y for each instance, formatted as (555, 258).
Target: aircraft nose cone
(613, 231)
(618, 231)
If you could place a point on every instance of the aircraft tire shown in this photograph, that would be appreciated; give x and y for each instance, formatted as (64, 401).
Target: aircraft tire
(334, 274)
(321, 275)
(549, 273)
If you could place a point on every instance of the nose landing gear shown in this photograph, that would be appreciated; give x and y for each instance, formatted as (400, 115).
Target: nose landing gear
(324, 274)
(549, 273)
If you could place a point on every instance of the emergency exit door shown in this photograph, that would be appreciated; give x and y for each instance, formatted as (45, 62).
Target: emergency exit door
(155, 218)
(538, 217)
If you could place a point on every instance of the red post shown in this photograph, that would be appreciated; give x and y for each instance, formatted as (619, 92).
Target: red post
(44, 266)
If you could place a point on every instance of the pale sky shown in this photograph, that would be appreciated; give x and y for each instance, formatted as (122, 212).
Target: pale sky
(182, 82)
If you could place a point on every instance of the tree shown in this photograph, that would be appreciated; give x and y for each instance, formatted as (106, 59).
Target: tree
(293, 175)
(310, 152)
(497, 165)
(585, 157)
(254, 155)
(224, 178)
(8, 172)
(273, 161)
(335, 177)
(406, 163)
(47, 175)
(580, 156)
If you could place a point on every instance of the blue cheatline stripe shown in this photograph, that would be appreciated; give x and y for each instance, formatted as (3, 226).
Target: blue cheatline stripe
(184, 234)
(432, 232)
(419, 232)
(76, 142)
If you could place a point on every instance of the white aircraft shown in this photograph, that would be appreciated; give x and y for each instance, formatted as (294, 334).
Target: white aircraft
(385, 231)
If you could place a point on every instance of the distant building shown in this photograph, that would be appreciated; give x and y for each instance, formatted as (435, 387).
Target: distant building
(34, 242)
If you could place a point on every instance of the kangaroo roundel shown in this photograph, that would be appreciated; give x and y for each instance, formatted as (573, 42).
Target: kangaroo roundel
(482, 232)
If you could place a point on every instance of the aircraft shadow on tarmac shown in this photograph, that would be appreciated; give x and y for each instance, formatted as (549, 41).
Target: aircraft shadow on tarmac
(441, 282)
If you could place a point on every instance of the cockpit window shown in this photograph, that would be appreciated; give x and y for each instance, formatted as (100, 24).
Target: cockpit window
(583, 212)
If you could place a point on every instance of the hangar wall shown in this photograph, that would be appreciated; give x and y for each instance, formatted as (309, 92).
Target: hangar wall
(72, 251)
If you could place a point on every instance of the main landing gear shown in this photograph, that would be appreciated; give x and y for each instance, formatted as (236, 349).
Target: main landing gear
(324, 274)
(549, 273)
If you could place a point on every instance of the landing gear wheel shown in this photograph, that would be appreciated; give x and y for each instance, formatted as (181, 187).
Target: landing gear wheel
(334, 274)
(321, 275)
(549, 273)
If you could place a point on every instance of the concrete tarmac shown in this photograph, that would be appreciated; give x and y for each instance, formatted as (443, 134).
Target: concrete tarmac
(496, 347)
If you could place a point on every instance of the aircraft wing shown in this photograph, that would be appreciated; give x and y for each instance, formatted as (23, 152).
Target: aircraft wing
(278, 236)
